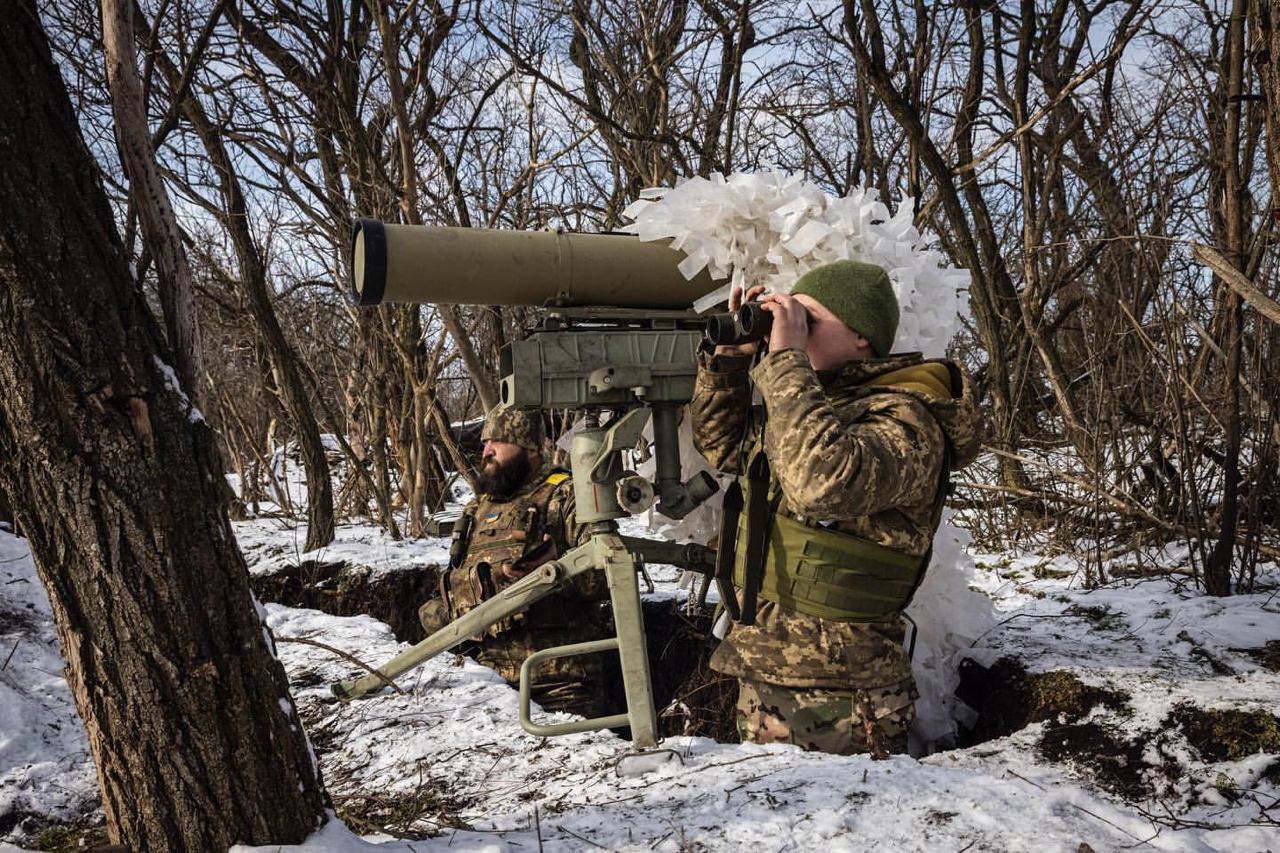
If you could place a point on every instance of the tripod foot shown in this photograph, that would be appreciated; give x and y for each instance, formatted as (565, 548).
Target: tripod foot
(642, 763)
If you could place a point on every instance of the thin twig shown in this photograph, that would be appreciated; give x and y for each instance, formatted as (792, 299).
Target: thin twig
(1024, 779)
(347, 656)
(735, 761)
(10, 657)
(1109, 823)
(1156, 354)
(580, 838)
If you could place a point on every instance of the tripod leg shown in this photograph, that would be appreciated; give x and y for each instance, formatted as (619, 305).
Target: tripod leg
(624, 589)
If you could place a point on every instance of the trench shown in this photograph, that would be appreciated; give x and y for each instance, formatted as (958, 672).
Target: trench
(1084, 729)
(1083, 725)
(690, 698)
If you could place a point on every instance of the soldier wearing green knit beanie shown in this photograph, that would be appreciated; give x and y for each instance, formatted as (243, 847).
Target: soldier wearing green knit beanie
(859, 294)
(842, 470)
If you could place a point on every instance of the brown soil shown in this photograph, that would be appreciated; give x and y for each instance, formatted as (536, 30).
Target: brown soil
(1008, 698)
(1267, 657)
(341, 589)
(1227, 735)
(56, 837)
(1112, 762)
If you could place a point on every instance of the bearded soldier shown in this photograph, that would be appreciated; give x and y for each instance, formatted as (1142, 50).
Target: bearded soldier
(843, 471)
(523, 517)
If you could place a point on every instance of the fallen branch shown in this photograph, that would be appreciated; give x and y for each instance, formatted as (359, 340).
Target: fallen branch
(347, 656)
(11, 653)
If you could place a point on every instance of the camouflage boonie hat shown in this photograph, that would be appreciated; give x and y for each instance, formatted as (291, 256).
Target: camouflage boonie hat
(515, 426)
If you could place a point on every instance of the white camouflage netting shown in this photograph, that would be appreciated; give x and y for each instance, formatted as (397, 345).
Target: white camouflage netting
(771, 227)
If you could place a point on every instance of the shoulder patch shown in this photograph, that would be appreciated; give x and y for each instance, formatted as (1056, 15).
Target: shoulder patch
(557, 478)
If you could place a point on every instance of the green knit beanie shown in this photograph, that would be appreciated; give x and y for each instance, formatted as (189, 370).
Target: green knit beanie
(860, 295)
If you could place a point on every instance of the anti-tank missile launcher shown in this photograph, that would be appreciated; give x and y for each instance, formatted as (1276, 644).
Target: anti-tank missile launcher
(618, 338)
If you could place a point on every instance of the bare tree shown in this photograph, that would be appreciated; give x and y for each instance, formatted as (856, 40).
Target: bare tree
(1065, 154)
(159, 225)
(115, 480)
(233, 214)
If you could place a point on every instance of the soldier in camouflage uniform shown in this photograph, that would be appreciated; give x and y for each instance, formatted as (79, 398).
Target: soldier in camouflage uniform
(858, 444)
(522, 518)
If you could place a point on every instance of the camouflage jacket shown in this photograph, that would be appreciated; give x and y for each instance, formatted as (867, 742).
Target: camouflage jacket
(857, 457)
(505, 531)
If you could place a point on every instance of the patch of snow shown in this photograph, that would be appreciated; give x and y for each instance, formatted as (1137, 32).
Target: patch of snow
(269, 544)
(172, 383)
(454, 741)
(45, 766)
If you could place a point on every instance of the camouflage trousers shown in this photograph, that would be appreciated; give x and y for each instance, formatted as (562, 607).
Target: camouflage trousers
(573, 685)
(843, 722)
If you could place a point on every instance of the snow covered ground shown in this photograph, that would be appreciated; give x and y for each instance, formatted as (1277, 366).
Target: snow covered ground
(447, 766)
(45, 771)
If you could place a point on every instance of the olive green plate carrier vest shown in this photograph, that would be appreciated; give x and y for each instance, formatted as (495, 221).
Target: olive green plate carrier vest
(831, 575)
(827, 573)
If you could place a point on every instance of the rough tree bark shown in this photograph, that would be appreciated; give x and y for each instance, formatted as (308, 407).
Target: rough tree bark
(115, 481)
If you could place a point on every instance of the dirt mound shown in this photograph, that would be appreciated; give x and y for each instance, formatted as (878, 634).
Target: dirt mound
(1008, 698)
(1113, 762)
(1228, 735)
(343, 589)
(1139, 766)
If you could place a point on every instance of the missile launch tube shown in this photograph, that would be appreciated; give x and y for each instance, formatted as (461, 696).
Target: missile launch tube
(477, 266)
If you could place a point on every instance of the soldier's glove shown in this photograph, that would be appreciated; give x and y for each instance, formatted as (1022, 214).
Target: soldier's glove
(545, 552)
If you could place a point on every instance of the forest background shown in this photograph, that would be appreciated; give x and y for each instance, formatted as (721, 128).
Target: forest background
(1070, 156)
(1109, 174)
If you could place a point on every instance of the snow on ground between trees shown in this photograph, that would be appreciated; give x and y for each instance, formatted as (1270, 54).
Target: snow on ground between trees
(449, 759)
(45, 769)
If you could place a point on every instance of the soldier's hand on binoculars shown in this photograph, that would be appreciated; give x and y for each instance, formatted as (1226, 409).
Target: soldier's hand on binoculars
(790, 322)
(736, 298)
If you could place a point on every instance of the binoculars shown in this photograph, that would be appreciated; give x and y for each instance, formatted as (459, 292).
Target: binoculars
(749, 324)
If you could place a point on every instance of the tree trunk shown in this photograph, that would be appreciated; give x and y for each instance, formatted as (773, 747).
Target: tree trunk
(253, 284)
(159, 225)
(115, 479)
(1217, 571)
